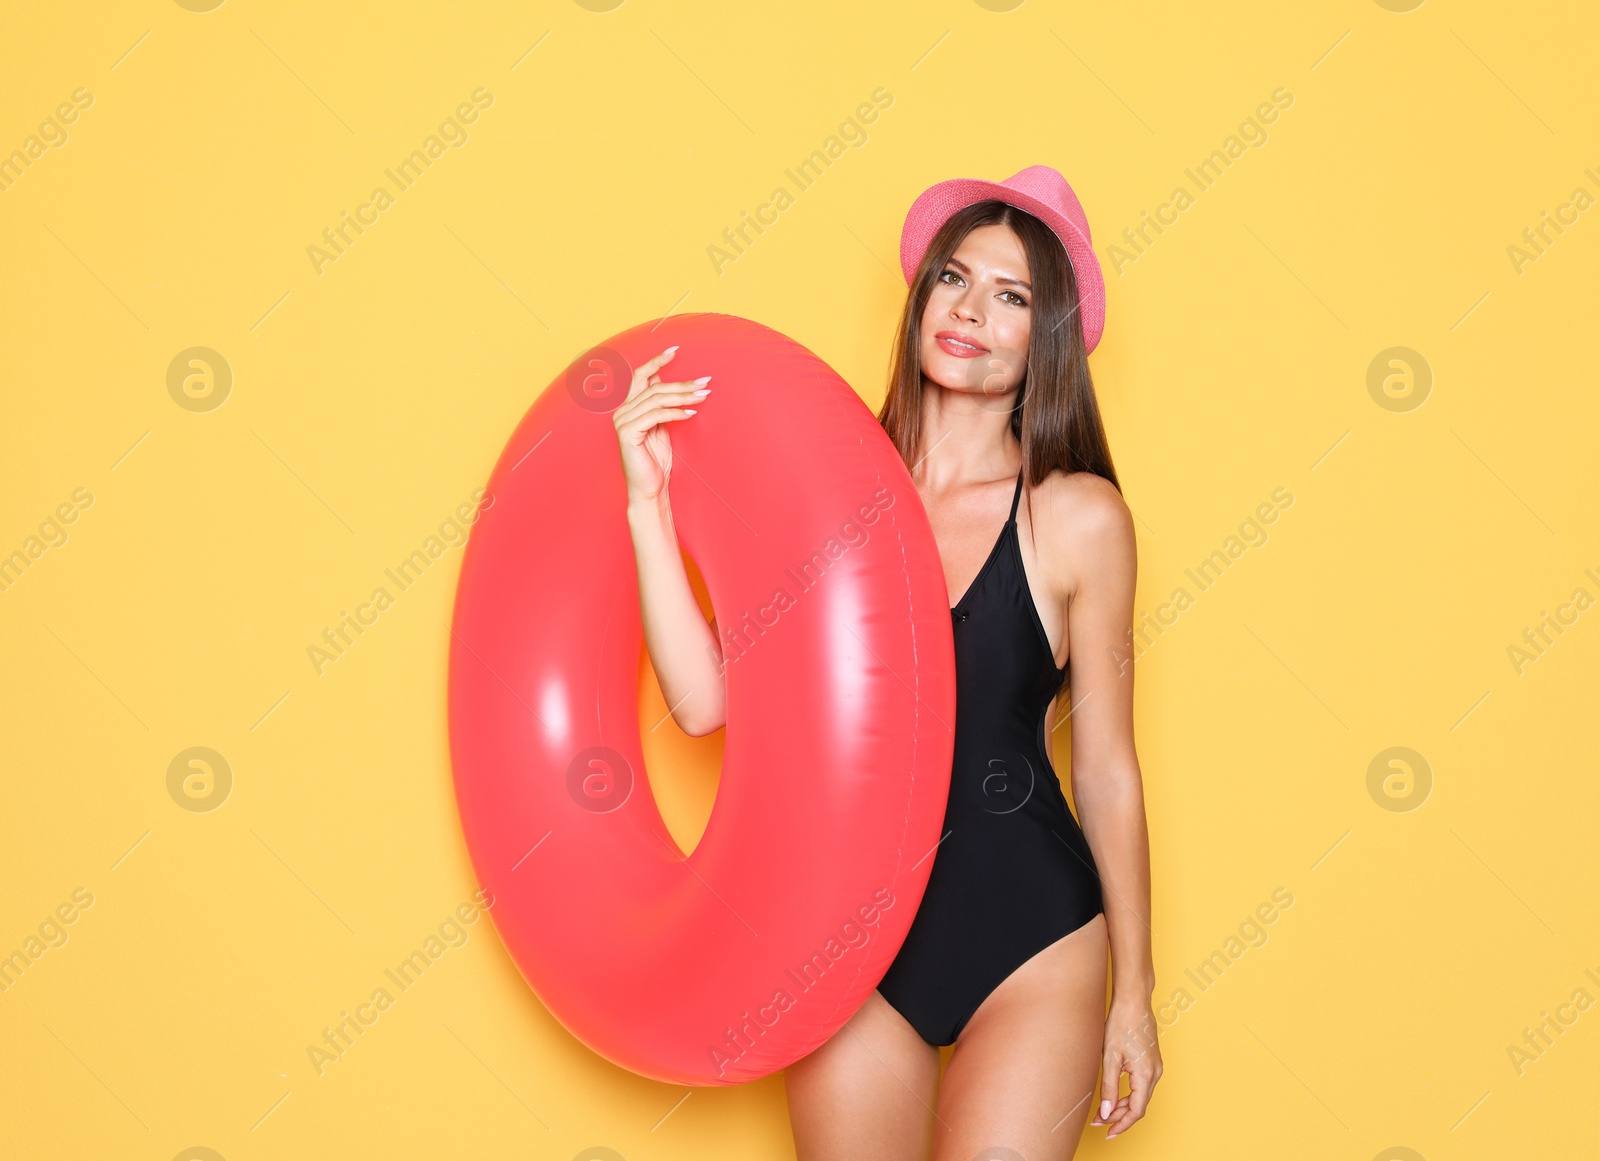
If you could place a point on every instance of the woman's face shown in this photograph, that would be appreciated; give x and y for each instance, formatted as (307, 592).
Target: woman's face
(982, 298)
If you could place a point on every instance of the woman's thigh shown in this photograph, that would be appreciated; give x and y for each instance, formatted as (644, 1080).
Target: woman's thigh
(1024, 1070)
(870, 1091)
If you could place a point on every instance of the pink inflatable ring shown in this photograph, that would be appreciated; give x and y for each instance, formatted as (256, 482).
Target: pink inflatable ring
(730, 963)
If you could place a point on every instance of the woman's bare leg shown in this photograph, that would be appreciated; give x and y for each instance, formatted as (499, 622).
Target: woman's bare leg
(1022, 1078)
(869, 1092)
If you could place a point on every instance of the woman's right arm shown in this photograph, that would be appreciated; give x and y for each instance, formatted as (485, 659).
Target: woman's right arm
(682, 646)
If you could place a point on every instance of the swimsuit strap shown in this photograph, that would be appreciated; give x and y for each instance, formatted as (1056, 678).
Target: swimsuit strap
(1017, 495)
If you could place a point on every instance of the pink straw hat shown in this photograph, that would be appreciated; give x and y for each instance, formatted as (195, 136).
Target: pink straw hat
(1045, 194)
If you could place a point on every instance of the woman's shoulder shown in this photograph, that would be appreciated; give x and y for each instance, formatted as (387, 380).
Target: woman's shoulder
(1081, 504)
(1080, 517)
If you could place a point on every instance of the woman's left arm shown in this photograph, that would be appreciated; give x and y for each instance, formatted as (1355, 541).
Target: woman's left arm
(1107, 788)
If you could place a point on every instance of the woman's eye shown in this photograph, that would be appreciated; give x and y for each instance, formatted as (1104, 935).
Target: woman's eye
(1020, 300)
(949, 274)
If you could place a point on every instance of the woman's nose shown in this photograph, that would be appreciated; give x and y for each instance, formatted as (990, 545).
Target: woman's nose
(964, 307)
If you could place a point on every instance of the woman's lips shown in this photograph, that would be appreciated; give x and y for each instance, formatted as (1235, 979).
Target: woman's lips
(957, 348)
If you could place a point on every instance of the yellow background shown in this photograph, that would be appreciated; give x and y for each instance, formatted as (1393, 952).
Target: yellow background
(371, 399)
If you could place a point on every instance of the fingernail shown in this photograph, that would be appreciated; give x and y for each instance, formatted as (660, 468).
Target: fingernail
(688, 410)
(1105, 1109)
(703, 380)
(702, 393)
(670, 350)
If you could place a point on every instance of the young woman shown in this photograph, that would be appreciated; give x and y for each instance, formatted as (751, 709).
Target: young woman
(990, 402)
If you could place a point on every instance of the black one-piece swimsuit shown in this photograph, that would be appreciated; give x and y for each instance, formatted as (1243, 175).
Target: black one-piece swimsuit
(1012, 873)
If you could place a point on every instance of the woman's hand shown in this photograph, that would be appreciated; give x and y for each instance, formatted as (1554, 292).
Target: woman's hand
(646, 450)
(1130, 1047)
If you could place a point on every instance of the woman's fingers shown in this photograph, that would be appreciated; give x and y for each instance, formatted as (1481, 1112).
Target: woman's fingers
(656, 395)
(1110, 1074)
(654, 416)
(642, 373)
(660, 392)
(1117, 1111)
(1142, 1077)
(647, 405)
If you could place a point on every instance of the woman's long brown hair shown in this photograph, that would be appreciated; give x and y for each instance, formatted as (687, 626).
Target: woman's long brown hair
(1056, 418)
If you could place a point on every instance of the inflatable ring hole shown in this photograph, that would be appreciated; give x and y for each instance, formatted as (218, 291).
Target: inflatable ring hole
(683, 771)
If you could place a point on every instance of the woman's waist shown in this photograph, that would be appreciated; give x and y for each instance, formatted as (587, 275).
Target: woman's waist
(1000, 777)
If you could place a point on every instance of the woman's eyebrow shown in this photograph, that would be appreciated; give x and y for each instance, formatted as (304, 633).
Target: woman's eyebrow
(965, 269)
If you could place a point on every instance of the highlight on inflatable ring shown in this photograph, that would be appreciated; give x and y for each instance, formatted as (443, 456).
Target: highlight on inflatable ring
(732, 962)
